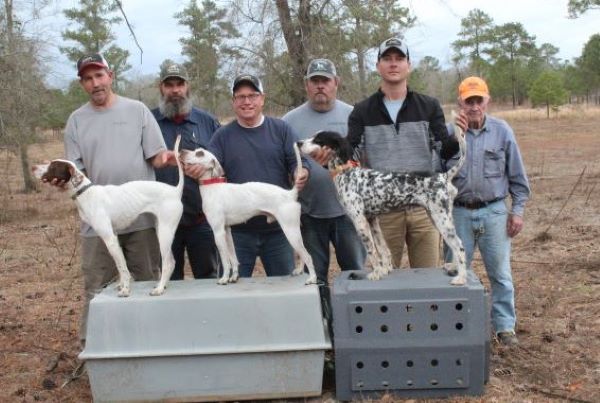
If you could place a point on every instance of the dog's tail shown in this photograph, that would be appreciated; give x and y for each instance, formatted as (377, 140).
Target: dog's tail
(458, 132)
(298, 166)
(179, 167)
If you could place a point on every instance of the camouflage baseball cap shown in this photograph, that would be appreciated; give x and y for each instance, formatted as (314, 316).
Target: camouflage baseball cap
(173, 70)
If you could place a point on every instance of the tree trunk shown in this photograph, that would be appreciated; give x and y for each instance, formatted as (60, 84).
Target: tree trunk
(27, 179)
(295, 46)
(360, 59)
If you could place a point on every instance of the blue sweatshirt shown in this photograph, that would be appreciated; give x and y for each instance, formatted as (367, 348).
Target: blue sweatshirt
(259, 154)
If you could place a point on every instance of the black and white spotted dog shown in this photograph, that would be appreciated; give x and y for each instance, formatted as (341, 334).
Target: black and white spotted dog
(367, 193)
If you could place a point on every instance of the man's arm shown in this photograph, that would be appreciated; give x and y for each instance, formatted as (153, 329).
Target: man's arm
(518, 185)
(356, 128)
(164, 158)
(437, 126)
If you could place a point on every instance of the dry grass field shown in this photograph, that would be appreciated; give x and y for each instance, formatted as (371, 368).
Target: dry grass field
(556, 266)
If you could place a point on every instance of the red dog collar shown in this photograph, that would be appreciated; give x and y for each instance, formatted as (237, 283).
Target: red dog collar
(212, 181)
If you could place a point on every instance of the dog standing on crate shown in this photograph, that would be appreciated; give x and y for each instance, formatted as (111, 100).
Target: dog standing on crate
(110, 208)
(226, 204)
(367, 193)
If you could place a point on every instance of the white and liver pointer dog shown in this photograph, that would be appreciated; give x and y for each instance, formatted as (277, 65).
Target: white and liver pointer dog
(110, 208)
(367, 193)
(226, 204)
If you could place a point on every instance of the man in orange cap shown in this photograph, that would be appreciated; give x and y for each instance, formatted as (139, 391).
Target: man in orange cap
(493, 170)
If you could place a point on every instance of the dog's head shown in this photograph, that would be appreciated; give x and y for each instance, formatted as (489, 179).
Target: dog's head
(60, 171)
(342, 150)
(206, 158)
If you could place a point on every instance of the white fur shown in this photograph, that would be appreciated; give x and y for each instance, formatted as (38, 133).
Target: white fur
(227, 204)
(108, 209)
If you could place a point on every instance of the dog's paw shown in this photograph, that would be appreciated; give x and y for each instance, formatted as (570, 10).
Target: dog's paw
(234, 278)
(374, 275)
(298, 271)
(123, 291)
(223, 280)
(450, 269)
(459, 280)
(158, 290)
(311, 280)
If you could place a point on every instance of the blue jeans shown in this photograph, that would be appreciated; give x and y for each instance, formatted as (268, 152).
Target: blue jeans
(486, 228)
(273, 248)
(349, 250)
(199, 242)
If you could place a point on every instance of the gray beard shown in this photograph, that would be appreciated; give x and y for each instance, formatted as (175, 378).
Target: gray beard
(172, 108)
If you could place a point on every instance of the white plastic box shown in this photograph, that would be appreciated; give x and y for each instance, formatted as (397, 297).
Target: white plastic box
(260, 338)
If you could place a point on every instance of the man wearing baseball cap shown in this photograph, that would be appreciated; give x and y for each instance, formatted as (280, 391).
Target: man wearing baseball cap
(257, 148)
(176, 115)
(399, 130)
(324, 220)
(114, 140)
(493, 170)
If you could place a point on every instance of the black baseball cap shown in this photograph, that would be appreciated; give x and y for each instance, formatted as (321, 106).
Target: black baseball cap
(247, 79)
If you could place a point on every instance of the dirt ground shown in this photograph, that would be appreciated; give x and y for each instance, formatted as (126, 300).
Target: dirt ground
(556, 268)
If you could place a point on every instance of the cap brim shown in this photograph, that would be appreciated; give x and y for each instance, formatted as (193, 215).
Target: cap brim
(173, 76)
(470, 94)
(91, 64)
(391, 47)
(320, 74)
(248, 82)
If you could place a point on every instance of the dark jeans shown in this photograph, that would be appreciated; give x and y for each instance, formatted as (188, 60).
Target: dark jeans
(317, 233)
(273, 248)
(199, 242)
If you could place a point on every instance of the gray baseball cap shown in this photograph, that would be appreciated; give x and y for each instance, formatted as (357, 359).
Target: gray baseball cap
(173, 71)
(248, 79)
(321, 67)
(393, 42)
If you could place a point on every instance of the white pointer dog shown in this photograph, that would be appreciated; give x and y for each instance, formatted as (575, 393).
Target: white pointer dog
(367, 193)
(110, 208)
(226, 204)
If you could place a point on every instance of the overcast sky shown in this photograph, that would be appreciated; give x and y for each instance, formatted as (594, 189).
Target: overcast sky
(438, 22)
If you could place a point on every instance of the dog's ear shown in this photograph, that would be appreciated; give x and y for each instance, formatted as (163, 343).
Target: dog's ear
(340, 145)
(217, 169)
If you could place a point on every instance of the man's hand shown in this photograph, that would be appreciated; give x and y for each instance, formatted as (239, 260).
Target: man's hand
(514, 225)
(322, 156)
(301, 179)
(194, 171)
(462, 121)
(164, 158)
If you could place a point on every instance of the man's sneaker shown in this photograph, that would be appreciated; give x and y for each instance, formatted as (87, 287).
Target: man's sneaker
(508, 338)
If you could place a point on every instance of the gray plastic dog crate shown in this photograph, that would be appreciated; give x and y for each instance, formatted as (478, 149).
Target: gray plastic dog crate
(411, 334)
(256, 339)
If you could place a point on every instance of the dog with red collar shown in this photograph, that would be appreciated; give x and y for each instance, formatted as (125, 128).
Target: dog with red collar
(226, 204)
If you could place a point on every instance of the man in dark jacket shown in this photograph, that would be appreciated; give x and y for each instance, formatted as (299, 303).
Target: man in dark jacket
(177, 116)
(398, 130)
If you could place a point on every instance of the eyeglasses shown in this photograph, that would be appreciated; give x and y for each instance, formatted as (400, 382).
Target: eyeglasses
(250, 97)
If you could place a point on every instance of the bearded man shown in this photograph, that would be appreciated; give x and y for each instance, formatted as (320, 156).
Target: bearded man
(177, 116)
